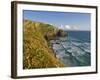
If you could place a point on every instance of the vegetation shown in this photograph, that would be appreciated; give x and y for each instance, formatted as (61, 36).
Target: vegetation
(37, 53)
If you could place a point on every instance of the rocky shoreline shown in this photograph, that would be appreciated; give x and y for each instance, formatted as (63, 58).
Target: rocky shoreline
(70, 54)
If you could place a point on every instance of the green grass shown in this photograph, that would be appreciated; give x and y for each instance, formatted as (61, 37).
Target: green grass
(36, 52)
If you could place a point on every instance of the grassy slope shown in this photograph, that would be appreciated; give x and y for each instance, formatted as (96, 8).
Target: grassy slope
(37, 54)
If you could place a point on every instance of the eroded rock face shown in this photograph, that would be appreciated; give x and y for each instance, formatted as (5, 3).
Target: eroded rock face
(61, 33)
(54, 34)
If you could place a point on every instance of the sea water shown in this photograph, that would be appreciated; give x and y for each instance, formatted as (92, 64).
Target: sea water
(74, 49)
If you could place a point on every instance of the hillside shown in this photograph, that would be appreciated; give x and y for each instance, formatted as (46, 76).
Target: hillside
(37, 54)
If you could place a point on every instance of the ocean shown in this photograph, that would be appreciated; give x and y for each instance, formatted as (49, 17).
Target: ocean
(74, 49)
(80, 35)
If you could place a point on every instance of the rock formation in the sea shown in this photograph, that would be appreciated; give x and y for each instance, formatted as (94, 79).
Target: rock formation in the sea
(61, 33)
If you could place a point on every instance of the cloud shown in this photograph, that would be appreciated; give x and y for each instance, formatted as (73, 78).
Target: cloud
(75, 27)
(68, 27)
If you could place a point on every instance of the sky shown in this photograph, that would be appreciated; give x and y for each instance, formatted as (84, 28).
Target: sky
(65, 20)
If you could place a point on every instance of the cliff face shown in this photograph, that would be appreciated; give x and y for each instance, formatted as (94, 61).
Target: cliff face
(36, 52)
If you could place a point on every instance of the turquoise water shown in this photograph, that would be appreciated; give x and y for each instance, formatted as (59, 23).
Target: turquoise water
(74, 49)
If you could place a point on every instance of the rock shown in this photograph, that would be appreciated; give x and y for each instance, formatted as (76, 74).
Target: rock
(61, 33)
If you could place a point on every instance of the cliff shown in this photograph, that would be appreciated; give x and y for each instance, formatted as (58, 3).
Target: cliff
(36, 52)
